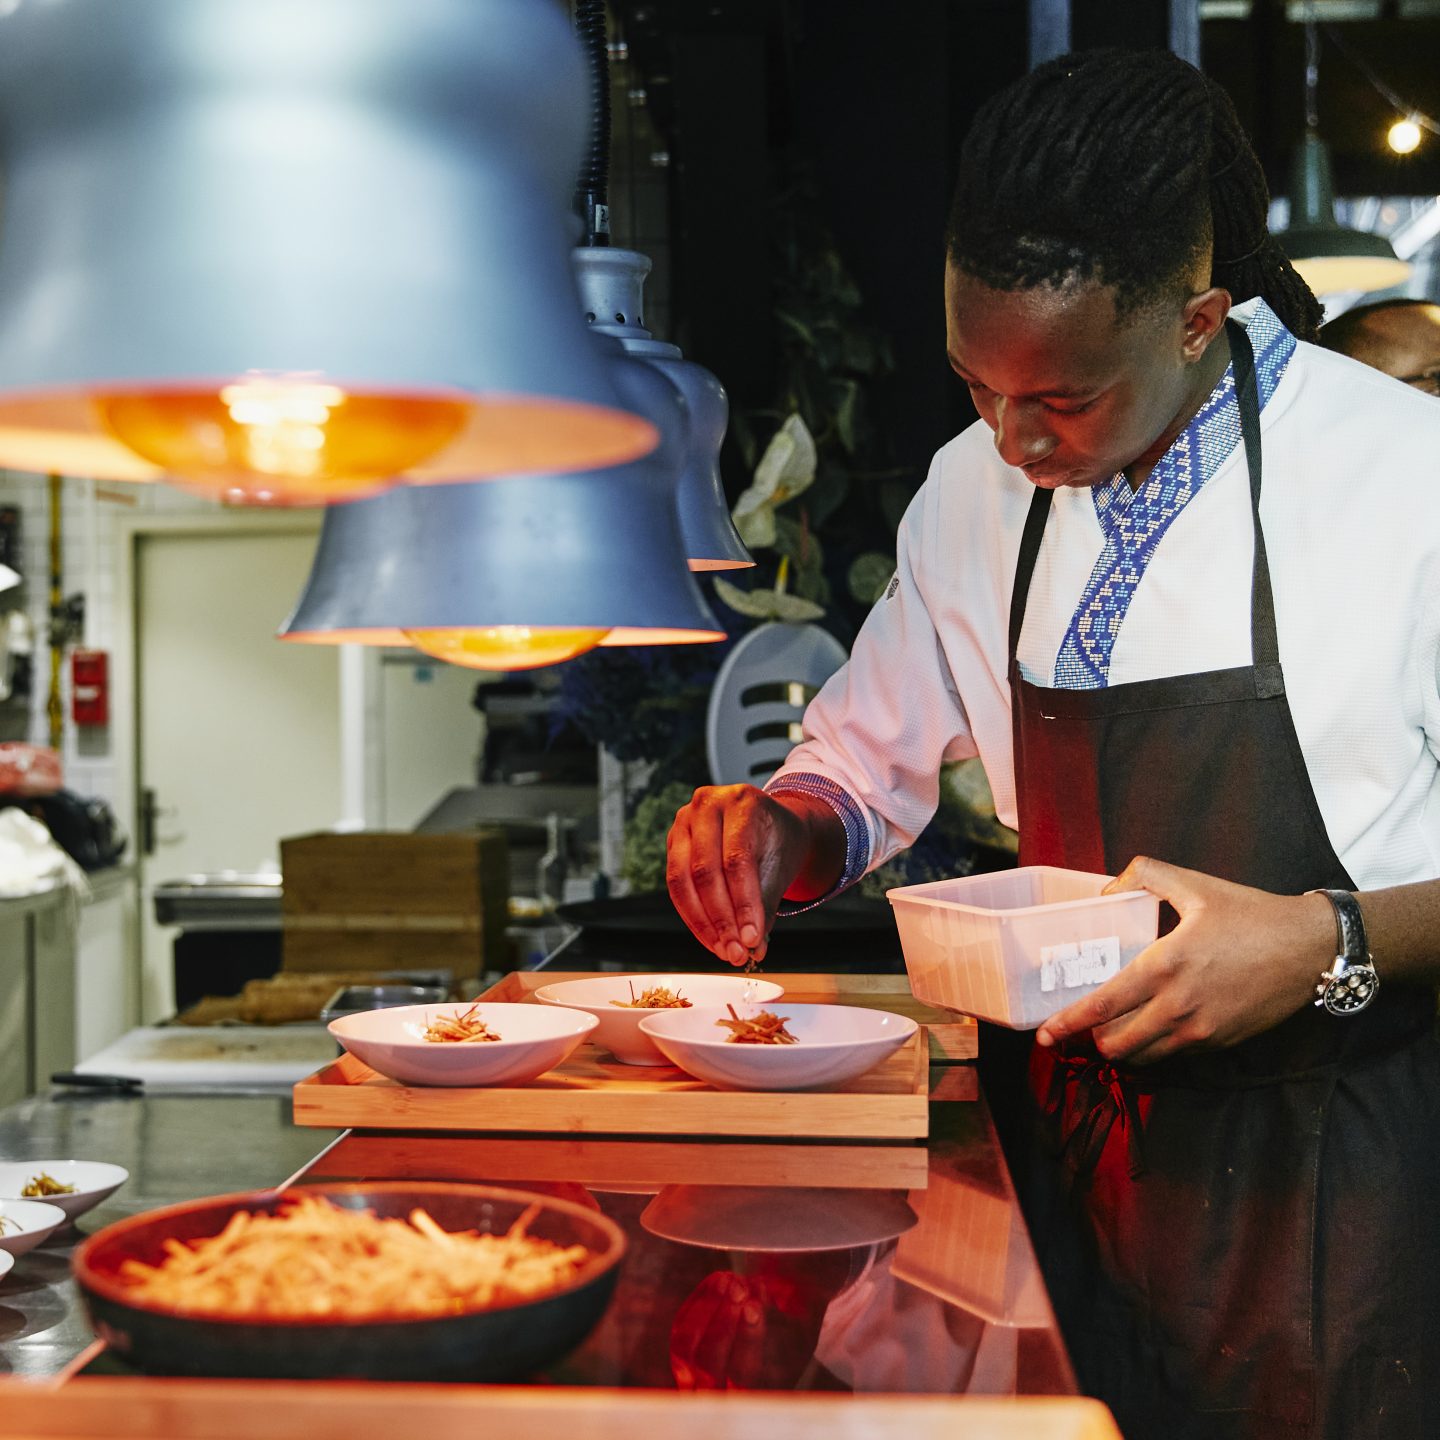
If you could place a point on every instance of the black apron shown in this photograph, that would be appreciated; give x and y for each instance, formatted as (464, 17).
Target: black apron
(1238, 1242)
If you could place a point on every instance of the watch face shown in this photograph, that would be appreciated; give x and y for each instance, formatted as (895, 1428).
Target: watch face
(1353, 991)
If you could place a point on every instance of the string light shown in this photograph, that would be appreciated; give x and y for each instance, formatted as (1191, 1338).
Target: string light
(1403, 136)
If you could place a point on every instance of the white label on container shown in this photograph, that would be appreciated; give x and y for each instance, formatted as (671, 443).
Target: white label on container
(1076, 963)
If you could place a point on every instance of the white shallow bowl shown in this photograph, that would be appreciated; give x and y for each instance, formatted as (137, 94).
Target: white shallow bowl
(533, 1039)
(835, 1043)
(94, 1181)
(619, 1026)
(37, 1220)
(7, 1261)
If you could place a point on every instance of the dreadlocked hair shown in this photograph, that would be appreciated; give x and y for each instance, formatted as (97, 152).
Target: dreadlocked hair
(1123, 167)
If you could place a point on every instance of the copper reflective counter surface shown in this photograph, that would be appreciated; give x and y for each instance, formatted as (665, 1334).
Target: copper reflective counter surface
(766, 1265)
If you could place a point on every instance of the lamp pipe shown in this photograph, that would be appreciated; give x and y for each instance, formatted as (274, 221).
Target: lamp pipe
(592, 189)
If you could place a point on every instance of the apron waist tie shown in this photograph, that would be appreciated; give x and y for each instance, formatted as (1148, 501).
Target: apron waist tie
(1102, 1095)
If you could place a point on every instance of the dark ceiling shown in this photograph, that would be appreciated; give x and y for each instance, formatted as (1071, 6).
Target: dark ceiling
(877, 95)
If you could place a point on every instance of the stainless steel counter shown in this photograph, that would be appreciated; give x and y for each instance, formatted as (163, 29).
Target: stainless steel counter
(175, 1148)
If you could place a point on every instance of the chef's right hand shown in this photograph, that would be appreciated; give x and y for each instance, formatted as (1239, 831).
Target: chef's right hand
(735, 852)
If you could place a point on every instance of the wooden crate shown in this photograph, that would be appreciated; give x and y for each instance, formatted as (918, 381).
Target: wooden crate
(381, 900)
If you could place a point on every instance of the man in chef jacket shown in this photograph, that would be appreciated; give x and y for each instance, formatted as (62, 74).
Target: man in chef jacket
(1179, 590)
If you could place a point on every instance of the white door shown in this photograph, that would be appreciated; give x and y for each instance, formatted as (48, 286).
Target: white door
(238, 740)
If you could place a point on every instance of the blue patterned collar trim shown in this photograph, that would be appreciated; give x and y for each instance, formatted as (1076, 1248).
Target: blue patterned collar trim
(1134, 522)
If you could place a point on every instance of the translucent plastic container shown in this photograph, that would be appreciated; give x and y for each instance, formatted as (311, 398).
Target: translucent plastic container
(1018, 945)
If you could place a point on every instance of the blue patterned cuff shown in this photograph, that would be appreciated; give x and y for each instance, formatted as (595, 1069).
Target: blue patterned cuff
(857, 832)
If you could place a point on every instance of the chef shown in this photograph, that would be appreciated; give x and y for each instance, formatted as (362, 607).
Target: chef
(1179, 589)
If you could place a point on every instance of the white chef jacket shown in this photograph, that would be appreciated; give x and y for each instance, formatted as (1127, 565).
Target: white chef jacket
(1351, 513)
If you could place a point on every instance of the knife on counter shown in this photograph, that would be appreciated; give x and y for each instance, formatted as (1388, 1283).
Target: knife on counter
(109, 1084)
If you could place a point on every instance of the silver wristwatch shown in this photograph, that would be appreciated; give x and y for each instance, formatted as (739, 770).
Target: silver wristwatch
(1351, 983)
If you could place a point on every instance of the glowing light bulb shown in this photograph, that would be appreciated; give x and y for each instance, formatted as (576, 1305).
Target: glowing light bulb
(282, 439)
(506, 647)
(1404, 136)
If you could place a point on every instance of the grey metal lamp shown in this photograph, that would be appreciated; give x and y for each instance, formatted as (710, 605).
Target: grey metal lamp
(1329, 256)
(295, 251)
(522, 572)
(612, 287)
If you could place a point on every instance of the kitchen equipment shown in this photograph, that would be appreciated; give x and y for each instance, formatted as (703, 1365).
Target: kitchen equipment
(850, 933)
(506, 1342)
(833, 1044)
(1015, 946)
(534, 1039)
(618, 1029)
(94, 1181)
(357, 999)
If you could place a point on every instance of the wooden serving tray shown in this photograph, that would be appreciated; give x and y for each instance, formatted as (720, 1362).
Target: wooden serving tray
(590, 1093)
(156, 1409)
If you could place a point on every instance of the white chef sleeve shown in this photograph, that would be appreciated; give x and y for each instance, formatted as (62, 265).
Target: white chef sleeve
(877, 733)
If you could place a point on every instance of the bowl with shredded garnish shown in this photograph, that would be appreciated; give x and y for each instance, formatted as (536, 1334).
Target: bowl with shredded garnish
(620, 1002)
(74, 1185)
(24, 1224)
(461, 1043)
(777, 1045)
(386, 1281)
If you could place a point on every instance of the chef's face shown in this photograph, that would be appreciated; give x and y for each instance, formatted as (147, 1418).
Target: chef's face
(1074, 391)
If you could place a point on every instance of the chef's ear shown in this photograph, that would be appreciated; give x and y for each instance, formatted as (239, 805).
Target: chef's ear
(1204, 319)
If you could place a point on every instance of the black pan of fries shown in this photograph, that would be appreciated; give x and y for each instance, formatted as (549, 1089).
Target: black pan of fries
(392, 1281)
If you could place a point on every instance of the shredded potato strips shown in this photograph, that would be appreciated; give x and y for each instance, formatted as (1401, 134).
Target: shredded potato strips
(763, 1028)
(460, 1028)
(657, 997)
(314, 1261)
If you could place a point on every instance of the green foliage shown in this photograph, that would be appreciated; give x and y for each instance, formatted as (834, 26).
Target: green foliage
(644, 859)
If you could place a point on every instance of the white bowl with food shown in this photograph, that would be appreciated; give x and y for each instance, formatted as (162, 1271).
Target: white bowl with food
(463, 1044)
(745, 1047)
(74, 1185)
(620, 1002)
(24, 1224)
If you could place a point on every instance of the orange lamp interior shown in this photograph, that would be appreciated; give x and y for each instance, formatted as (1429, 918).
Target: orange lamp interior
(291, 441)
(506, 647)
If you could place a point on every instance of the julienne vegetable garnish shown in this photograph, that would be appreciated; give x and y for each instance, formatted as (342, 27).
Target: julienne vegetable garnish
(657, 997)
(762, 1028)
(459, 1029)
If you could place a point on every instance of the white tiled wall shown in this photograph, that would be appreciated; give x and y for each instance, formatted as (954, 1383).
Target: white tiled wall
(90, 557)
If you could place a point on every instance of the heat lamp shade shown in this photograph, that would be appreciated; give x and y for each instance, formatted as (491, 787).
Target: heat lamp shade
(612, 289)
(363, 192)
(601, 550)
(1328, 256)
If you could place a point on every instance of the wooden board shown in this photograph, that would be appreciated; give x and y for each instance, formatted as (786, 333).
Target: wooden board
(952, 1037)
(620, 1163)
(383, 900)
(592, 1094)
(153, 1409)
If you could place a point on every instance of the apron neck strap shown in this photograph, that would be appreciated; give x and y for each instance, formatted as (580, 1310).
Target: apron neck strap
(1264, 642)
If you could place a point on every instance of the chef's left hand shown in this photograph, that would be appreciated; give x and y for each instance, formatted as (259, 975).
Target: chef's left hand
(1240, 961)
